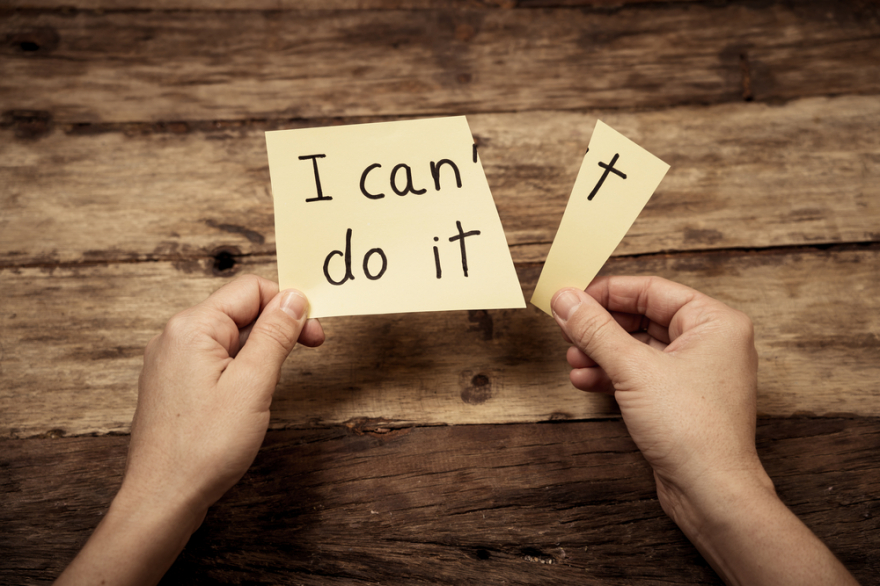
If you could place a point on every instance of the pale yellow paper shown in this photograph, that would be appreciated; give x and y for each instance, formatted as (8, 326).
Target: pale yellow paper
(591, 229)
(403, 226)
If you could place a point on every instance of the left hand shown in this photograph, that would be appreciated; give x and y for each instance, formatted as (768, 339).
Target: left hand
(202, 413)
(206, 388)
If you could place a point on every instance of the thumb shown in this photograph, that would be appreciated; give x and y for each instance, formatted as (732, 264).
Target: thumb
(272, 338)
(591, 328)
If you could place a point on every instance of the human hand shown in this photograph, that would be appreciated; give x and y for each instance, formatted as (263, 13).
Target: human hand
(202, 413)
(683, 369)
(206, 388)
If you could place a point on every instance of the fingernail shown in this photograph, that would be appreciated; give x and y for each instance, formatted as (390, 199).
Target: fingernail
(564, 304)
(294, 304)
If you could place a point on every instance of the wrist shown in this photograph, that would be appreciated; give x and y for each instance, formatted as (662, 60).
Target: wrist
(746, 532)
(720, 514)
(139, 529)
(173, 514)
(705, 506)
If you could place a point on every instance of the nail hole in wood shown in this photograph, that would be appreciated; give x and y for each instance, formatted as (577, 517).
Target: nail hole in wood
(41, 40)
(225, 260)
(480, 380)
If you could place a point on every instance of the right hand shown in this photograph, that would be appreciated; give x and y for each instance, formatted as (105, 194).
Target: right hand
(683, 369)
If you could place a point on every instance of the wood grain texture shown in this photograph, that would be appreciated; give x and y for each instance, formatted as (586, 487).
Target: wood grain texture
(743, 176)
(215, 5)
(192, 65)
(134, 181)
(73, 339)
(564, 503)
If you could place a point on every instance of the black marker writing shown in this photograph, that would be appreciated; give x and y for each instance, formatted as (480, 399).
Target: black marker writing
(475, 152)
(364, 180)
(409, 184)
(609, 168)
(346, 257)
(461, 236)
(314, 159)
(347, 260)
(435, 172)
(367, 263)
(437, 259)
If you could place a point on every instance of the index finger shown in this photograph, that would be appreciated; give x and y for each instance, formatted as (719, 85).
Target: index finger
(243, 299)
(654, 297)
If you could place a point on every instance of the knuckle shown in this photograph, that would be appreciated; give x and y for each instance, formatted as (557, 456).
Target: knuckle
(742, 326)
(276, 331)
(590, 330)
(738, 329)
(177, 328)
(251, 278)
(151, 345)
(184, 328)
(178, 323)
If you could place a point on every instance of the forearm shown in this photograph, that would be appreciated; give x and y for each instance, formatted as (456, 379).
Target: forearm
(750, 537)
(135, 543)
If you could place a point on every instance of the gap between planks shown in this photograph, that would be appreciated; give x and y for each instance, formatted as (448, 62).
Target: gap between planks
(234, 260)
(74, 340)
(443, 505)
(134, 6)
(743, 176)
(417, 63)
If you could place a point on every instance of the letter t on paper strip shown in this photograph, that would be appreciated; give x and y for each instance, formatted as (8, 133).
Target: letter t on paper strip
(616, 180)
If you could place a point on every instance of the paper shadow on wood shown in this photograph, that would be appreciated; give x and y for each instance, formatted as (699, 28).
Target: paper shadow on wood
(454, 367)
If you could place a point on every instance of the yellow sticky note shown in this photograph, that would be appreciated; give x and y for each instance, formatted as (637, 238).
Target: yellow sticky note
(390, 217)
(616, 180)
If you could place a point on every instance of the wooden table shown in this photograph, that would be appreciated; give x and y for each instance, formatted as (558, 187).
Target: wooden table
(441, 448)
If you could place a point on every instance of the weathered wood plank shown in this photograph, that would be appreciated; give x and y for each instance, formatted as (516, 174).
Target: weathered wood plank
(155, 66)
(564, 503)
(743, 176)
(214, 5)
(73, 339)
